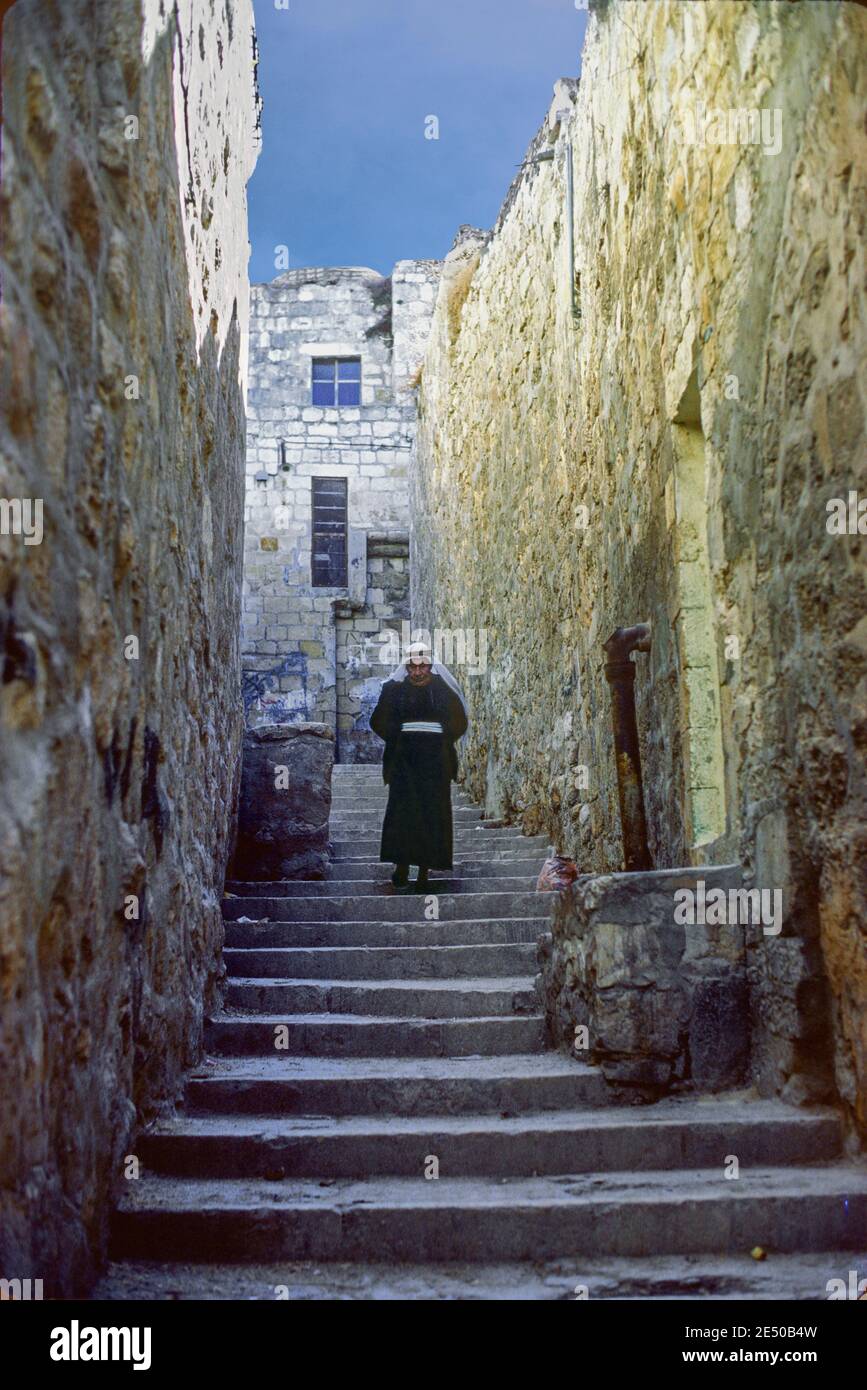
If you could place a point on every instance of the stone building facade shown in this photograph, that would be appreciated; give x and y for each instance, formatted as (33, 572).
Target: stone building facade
(643, 401)
(130, 131)
(331, 427)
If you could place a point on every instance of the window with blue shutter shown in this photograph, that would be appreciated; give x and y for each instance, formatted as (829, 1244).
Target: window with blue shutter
(336, 381)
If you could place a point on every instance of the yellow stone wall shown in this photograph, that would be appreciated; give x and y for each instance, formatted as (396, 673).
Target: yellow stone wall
(129, 134)
(667, 456)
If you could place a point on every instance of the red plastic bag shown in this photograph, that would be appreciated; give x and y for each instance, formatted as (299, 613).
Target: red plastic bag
(557, 872)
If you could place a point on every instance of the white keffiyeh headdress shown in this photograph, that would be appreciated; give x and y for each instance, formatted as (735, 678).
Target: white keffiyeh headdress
(421, 649)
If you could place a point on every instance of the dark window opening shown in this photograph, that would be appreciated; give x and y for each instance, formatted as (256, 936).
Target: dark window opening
(336, 381)
(329, 567)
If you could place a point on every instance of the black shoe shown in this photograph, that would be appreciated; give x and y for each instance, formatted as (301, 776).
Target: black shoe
(400, 877)
(421, 881)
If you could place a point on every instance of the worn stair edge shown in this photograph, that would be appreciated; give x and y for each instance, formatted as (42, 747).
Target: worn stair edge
(399, 963)
(651, 1213)
(565, 1141)
(341, 1034)
(451, 907)
(803, 1277)
(467, 997)
(398, 1085)
(301, 936)
(382, 886)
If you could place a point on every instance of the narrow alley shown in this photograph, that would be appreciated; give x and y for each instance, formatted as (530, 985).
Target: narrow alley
(433, 434)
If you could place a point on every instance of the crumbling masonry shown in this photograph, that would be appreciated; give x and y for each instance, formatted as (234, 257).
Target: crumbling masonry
(129, 134)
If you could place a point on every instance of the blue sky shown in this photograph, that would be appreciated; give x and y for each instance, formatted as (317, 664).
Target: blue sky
(345, 175)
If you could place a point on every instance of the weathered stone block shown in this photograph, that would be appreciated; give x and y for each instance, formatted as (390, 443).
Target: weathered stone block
(637, 1022)
(649, 988)
(633, 956)
(285, 802)
(641, 1073)
(719, 1033)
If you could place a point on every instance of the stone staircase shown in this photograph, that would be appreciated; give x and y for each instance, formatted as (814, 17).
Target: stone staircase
(366, 1041)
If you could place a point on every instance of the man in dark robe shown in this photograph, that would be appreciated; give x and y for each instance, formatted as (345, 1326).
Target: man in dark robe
(420, 714)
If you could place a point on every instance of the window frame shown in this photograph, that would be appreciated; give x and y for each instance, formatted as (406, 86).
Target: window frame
(335, 382)
(316, 484)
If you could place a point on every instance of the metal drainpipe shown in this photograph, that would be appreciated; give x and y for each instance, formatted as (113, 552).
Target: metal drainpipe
(620, 675)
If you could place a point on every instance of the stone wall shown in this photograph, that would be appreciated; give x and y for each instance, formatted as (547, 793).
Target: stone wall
(127, 144)
(654, 432)
(285, 803)
(310, 652)
(365, 646)
(654, 994)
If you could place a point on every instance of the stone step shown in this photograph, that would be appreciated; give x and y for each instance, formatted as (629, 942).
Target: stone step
(369, 826)
(793, 1278)
(354, 811)
(469, 997)
(363, 866)
(468, 843)
(368, 935)
(351, 773)
(468, 824)
(371, 786)
(371, 783)
(352, 872)
(376, 801)
(382, 887)
(409, 907)
(368, 819)
(281, 1085)
(364, 820)
(667, 1137)
(364, 962)
(374, 786)
(352, 798)
(354, 1035)
(809, 1208)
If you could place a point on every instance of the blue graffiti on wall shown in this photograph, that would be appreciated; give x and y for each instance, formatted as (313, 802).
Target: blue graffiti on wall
(255, 684)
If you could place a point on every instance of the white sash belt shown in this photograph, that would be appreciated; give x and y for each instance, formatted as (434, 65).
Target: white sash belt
(421, 726)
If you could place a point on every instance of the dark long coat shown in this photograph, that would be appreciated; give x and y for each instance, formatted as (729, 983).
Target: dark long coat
(418, 769)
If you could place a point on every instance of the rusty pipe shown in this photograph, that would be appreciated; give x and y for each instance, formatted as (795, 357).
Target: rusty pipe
(620, 675)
